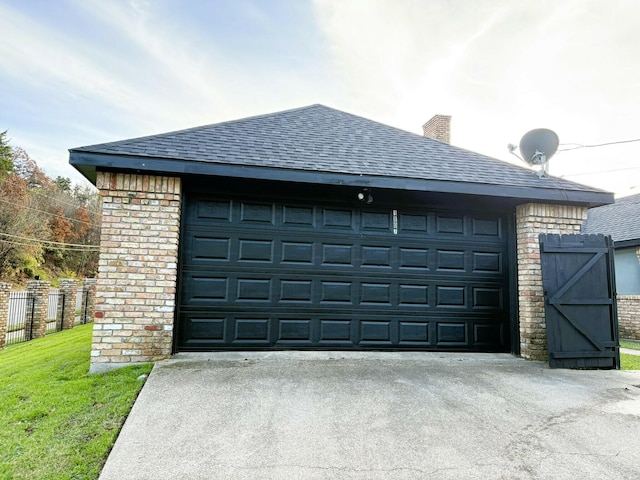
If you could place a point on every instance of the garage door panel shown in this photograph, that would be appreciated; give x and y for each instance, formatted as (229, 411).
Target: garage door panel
(413, 295)
(415, 258)
(295, 330)
(376, 256)
(262, 274)
(412, 333)
(252, 330)
(338, 219)
(487, 262)
(255, 251)
(376, 332)
(377, 294)
(297, 291)
(451, 333)
(400, 257)
(450, 225)
(450, 260)
(207, 329)
(486, 297)
(210, 248)
(205, 289)
(297, 252)
(335, 330)
(485, 334)
(337, 255)
(374, 291)
(219, 210)
(298, 216)
(257, 213)
(352, 330)
(413, 223)
(376, 222)
(486, 227)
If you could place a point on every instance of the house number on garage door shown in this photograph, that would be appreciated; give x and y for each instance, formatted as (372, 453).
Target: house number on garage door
(395, 222)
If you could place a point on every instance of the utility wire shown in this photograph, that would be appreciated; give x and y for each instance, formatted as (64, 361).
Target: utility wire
(579, 145)
(48, 247)
(66, 203)
(50, 242)
(49, 213)
(599, 171)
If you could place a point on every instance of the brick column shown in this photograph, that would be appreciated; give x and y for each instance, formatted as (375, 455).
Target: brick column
(36, 325)
(531, 220)
(137, 273)
(67, 303)
(88, 300)
(5, 292)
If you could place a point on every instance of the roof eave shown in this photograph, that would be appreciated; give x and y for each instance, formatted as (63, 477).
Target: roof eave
(633, 242)
(88, 163)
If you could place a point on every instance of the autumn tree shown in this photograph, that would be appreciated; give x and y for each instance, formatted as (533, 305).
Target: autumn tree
(45, 225)
(20, 222)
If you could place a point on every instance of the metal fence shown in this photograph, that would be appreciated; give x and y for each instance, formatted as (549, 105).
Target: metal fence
(82, 307)
(20, 309)
(21, 312)
(55, 310)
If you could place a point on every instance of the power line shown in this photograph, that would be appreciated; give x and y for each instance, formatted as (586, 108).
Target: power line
(53, 244)
(49, 213)
(48, 247)
(579, 145)
(600, 171)
(66, 203)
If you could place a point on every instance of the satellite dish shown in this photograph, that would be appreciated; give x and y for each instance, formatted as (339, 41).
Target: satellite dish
(538, 146)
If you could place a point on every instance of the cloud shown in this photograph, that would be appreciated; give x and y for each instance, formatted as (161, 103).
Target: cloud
(500, 68)
(105, 70)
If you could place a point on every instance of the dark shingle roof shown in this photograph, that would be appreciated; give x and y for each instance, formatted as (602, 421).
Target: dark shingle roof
(318, 139)
(620, 220)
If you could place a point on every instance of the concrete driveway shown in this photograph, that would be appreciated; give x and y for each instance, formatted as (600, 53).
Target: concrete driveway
(336, 415)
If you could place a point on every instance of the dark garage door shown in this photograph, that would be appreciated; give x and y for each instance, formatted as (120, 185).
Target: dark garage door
(265, 275)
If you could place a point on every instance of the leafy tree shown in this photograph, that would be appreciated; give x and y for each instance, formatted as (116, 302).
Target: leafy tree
(63, 184)
(35, 210)
(6, 155)
(20, 221)
(27, 168)
(60, 227)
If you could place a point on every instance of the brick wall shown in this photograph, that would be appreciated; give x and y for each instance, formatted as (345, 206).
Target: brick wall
(136, 284)
(5, 292)
(629, 316)
(531, 220)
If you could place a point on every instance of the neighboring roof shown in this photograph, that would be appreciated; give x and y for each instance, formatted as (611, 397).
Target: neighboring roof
(620, 220)
(317, 144)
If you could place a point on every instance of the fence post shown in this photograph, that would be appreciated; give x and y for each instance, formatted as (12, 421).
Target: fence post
(5, 292)
(67, 303)
(88, 300)
(36, 326)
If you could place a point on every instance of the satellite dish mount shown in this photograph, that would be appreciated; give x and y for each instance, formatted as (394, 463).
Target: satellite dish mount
(537, 147)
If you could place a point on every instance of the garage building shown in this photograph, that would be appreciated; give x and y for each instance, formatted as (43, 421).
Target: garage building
(317, 229)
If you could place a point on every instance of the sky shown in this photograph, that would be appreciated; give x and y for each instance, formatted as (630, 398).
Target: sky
(81, 72)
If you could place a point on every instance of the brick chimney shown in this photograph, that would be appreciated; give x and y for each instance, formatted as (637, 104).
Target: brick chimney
(438, 128)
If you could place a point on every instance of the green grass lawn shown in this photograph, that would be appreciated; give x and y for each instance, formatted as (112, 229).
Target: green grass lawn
(56, 420)
(629, 344)
(630, 362)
